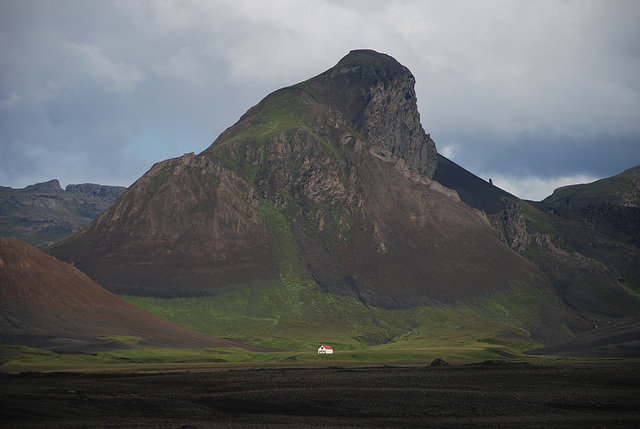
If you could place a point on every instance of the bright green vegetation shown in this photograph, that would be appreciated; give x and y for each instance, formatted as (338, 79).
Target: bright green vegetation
(301, 316)
(293, 277)
(28, 350)
(537, 218)
(122, 339)
(170, 359)
(298, 320)
(363, 58)
(176, 359)
(155, 183)
(604, 190)
(282, 111)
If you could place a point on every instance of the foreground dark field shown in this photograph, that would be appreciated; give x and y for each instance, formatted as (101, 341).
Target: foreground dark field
(483, 395)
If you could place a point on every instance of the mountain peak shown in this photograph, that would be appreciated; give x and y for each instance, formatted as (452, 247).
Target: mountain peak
(371, 59)
(365, 93)
(51, 185)
(377, 94)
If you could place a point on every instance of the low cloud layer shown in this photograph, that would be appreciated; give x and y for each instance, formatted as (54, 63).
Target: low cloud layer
(535, 93)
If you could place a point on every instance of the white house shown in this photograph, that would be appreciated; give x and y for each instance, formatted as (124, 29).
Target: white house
(325, 350)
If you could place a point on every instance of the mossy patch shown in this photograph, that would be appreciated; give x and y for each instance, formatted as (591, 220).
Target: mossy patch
(156, 182)
(122, 339)
(295, 315)
(28, 350)
(282, 111)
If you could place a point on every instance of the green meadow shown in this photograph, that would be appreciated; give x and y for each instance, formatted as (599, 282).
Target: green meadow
(291, 315)
(297, 320)
(179, 359)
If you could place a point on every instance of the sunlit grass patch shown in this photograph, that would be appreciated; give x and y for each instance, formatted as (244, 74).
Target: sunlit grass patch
(122, 339)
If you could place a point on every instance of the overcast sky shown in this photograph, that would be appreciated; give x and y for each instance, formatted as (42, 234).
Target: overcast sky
(533, 94)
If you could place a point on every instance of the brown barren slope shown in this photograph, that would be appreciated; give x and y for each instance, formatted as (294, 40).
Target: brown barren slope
(48, 303)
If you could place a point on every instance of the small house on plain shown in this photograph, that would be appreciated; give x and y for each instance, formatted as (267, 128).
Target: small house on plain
(325, 350)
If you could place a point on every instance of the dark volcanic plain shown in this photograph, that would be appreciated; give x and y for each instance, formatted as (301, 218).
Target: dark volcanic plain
(490, 394)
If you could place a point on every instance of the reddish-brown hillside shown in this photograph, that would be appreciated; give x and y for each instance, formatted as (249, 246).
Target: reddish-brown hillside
(48, 303)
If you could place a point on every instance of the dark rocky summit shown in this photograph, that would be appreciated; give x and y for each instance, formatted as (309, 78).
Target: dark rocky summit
(100, 193)
(377, 95)
(44, 213)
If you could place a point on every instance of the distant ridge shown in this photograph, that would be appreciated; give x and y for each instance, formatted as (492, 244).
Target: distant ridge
(44, 213)
(622, 189)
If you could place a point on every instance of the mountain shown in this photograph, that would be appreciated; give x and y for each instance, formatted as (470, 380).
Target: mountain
(330, 192)
(330, 179)
(620, 190)
(47, 303)
(44, 213)
(586, 238)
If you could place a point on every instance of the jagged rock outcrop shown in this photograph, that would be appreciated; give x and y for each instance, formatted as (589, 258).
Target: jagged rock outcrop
(101, 193)
(586, 239)
(511, 223)
(44, 213)
(631, 198)
(378, 96)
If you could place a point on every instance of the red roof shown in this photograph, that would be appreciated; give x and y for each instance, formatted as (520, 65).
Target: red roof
(326, 347)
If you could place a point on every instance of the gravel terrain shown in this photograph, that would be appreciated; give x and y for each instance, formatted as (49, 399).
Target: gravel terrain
(491, 394)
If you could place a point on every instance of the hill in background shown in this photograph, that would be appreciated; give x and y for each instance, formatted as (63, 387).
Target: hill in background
(46, 303)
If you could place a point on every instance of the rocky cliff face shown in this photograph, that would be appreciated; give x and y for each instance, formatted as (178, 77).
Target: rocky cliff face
(98, 193)
(511, 222)
(586, 239)
(378, 96)
(44, 213)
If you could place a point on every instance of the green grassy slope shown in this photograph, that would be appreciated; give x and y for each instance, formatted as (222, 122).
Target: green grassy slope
(608, 190)
(290, 318)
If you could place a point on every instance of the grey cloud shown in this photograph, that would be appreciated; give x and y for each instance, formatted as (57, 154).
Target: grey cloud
(113, 76)
(542, 88)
